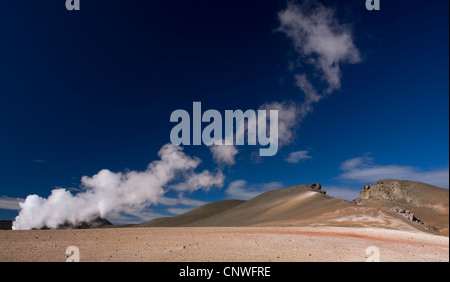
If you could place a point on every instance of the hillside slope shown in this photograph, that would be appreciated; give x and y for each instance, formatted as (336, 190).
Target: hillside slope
(302, 205)
(418, 201)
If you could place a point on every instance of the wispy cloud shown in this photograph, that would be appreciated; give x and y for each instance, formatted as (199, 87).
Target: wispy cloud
(181, 204)
(240, 189)
(296, 157)
(133, 216)
(321, 41)
(8, 203)
(173, 205)
(364, 170)
(178, 211)
(224, 154)
(288, 113)
(204, 180)
(181, 200)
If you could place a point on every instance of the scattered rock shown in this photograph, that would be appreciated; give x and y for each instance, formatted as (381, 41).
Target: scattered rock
(406, 213)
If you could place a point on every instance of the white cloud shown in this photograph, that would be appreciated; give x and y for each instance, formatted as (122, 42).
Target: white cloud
(7, 203)
(311, 96)
(240, 189)
(224, 154)
(204, 180)
(364, 170)
(320, 40)
(288, 113)
(296, 157)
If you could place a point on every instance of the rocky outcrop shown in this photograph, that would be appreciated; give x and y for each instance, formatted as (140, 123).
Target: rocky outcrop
(408, 214)
(318, 188)
(420, 203)
(387, 190)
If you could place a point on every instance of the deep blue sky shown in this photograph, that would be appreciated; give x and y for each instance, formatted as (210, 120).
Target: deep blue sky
(86, 90)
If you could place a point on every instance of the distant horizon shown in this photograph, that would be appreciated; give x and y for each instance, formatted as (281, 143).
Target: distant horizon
(245, 197)
(236, 203)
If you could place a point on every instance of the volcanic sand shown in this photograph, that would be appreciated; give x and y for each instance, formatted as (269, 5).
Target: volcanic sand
(223, 244)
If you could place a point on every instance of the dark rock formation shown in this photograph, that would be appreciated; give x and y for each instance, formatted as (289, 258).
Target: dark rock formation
(406, 213)
(96, 223)
(318, 188)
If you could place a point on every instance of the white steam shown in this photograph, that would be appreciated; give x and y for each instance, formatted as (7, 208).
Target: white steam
(108, 192)
(322, 42)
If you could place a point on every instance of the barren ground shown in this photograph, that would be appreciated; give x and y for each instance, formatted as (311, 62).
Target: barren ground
(223, 244)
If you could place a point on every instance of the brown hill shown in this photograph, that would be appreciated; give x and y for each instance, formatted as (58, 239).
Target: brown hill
(303, 205)
(277, 207)
(416, 201)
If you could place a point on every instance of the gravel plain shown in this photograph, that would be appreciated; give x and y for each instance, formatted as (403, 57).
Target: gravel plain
(224, 244)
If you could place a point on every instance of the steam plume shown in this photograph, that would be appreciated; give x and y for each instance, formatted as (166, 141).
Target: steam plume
(322, 42)
(108, 192)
